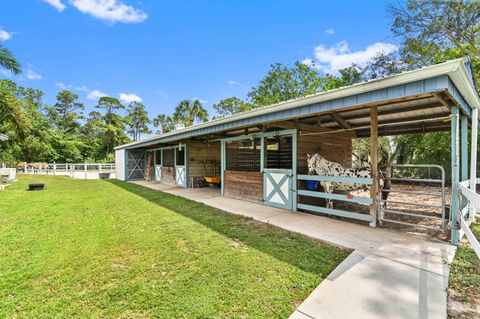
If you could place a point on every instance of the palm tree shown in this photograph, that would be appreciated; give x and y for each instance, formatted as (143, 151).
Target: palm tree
(7, 61)
(166, 123)
(13, 114)
(189, 111)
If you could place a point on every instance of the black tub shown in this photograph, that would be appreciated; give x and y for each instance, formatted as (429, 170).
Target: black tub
(35, 187)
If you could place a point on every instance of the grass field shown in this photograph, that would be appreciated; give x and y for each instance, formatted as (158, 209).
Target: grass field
(464, 281)
(103, 249)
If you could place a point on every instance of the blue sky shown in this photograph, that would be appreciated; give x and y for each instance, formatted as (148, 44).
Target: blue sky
(166, 51)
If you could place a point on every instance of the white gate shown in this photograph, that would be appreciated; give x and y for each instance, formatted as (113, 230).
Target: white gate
(277, 188)
(180, 176)
(158, 173)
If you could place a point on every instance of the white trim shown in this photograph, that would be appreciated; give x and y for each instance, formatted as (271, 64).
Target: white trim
(455, 69)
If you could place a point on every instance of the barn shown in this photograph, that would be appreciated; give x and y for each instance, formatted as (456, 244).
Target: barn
(261, 155)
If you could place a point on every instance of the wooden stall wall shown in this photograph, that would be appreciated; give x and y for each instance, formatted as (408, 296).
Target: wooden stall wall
(244, 185)
(168, 175)
(198, 153)
(335, 147)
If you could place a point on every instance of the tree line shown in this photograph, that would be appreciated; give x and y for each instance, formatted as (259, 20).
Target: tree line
(427, 33)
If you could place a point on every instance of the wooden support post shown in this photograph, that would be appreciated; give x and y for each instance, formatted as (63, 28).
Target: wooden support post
(374, 164)
(473, 158)
(455, 174)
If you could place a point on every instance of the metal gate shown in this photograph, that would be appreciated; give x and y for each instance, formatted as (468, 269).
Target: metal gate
(180, 176)
(277, 188)
(430, 179)
(158, 173)
(136, 163)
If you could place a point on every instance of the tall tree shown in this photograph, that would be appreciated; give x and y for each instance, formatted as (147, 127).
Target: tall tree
(435, 31)
(137, 120)
(165, 123)
(230, 106)
(284, 83)
(189, 111)
(115, 125)
(67, 111)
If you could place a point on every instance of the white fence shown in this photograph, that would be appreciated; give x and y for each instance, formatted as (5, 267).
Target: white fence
(468, 212)
(79, 171)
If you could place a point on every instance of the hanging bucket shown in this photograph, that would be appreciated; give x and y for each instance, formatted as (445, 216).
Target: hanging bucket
(311, 185)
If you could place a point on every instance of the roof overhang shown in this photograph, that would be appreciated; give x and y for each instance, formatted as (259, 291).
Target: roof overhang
(451, 77)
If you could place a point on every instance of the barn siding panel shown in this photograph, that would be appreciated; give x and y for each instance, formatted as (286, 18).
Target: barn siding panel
(244, 185)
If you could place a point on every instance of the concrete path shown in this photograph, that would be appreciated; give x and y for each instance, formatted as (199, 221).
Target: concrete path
(388, 275)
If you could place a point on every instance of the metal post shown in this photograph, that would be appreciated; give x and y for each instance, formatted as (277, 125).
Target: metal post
(374, 164)
(473, 158)
(464, 153)
(455, 174)
(294, 170)
(222, 166)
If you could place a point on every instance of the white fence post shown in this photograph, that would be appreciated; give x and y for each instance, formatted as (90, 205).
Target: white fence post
(85, 169)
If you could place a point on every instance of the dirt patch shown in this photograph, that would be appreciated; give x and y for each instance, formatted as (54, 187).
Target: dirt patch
(406, 202)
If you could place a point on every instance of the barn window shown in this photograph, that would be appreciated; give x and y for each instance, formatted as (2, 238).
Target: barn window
(158, 157)
(180, 156)
(168, 158)
(278, 152)
(243, 155)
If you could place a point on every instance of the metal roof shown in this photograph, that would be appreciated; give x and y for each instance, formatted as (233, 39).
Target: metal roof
(452, 77)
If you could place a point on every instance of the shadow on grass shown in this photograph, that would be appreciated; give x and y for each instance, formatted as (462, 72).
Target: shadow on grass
(298, 250)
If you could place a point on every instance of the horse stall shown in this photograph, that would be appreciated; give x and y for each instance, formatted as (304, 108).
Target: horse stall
(297, 154)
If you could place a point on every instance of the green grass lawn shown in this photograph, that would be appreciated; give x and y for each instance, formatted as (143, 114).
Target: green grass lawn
(464, 281)
(102, 249)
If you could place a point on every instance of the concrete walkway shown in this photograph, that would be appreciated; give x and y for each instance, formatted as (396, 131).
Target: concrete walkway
(388, 275)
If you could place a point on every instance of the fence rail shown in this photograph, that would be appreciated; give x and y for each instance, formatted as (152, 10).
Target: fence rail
(339, 197)
(468, 212)
(415, 174)
(74, 170)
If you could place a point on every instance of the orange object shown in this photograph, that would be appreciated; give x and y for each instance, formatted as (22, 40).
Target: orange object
(212, 179)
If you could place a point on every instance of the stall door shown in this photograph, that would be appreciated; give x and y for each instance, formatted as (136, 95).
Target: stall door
(158, 173)
(180, 176)
(277, 188)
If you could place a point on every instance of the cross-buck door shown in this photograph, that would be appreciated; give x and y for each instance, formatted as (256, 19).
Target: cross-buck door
(180, 176)
(277, 188)
(158, 173)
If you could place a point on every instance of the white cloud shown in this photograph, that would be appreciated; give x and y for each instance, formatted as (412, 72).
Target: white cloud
(309, 62)
(95, 95)
(129, 97)
(4, 35)
(62, 86)
(331, 59)
(235, 83)
(163, 94)
(57, 4)
(82, 88)
(32, 75)
(110, 10)
(330, 31)
(200, 100)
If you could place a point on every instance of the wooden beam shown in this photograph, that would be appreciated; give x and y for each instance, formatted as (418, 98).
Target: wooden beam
(341, 121)
(441, 99)
(374, 164)
(303, 127)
